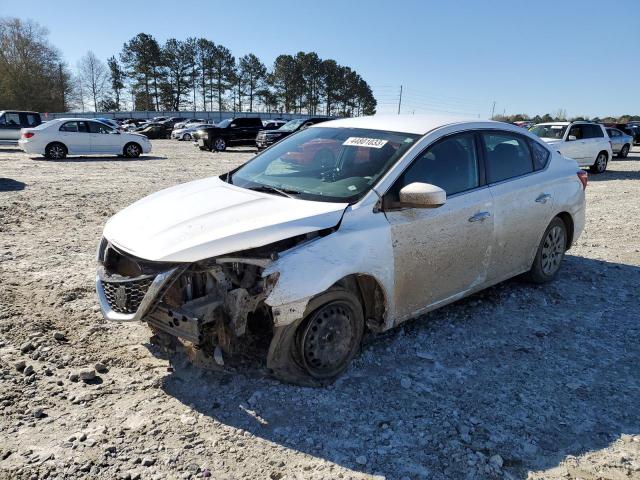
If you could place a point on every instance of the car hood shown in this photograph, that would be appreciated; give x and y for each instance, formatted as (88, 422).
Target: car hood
(551, 141)
(206, 218)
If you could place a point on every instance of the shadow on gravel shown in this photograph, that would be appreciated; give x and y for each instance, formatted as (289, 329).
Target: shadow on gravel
(10, 150)
(531, 373)
(83, 159)
(11, 185)
(612, 174)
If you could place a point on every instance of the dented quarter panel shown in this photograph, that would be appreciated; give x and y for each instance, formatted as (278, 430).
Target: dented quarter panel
(361, 245)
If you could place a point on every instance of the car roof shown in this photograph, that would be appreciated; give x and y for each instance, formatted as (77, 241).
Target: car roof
(555, 123)
(417, 124)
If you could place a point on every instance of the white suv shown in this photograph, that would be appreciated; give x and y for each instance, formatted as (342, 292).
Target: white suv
(585, 142)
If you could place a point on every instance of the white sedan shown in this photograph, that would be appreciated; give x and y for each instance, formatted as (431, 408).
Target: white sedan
(79, 136)
(350, 224)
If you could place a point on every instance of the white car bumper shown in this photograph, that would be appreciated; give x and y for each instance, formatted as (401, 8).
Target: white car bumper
(29, 147)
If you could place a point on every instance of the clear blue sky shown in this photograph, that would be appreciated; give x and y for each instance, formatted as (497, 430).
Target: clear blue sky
(460, 56)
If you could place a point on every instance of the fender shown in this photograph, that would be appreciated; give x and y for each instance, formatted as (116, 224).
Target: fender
(310, 269)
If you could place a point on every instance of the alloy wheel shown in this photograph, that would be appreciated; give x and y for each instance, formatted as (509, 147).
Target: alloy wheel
(56, 152)
(187, 136)
(220, 144)
(601, 162)
(133, 150)
(553, 250)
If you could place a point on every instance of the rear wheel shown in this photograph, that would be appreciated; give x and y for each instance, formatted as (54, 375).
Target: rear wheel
(132, 150)
(550, 253)
(624, 152)
(55, 151)
(600, 165)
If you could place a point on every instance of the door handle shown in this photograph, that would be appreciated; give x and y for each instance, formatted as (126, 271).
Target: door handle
(543, 198)
(480, 217)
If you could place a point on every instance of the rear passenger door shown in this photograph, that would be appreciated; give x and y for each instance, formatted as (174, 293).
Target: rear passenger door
(594, 137)
(522, 197)
(75, 136)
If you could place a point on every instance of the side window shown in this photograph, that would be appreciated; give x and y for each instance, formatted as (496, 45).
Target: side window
(31, 120)
(596, 131)
(74, 127)
(69, 127)
(450, 164)
(576, 131)
(3, 121)
(12, 120)
(540, 155)
(97, 127)
(507, 156)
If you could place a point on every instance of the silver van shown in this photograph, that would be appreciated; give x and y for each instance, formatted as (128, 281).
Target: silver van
(11, 121)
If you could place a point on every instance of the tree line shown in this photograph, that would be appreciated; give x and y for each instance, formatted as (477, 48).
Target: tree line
(191, 74)
(561, 116)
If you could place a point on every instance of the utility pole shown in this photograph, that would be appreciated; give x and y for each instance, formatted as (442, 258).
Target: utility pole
(493, 109)
(400, 100)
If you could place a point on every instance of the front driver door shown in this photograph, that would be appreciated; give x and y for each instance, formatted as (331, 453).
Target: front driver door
(441, 253)
(104, 139)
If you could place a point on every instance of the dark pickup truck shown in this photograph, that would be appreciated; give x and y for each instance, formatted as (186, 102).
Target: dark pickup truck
(266, 138)
(228, 133)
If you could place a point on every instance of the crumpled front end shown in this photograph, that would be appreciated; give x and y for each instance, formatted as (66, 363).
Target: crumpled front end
(216, 305)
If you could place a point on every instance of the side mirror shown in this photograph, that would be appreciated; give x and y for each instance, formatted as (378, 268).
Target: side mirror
(422, 195)
(572, 137)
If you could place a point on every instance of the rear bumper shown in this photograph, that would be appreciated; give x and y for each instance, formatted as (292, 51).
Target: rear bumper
(28, 146)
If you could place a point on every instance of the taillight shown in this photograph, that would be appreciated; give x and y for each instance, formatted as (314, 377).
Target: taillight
(28, 134)
(583, 177)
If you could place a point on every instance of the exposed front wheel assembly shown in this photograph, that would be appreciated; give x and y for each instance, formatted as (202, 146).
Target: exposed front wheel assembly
(317, 349)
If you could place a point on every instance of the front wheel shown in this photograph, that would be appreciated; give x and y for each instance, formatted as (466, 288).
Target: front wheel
(325, 341)
(132, 150)
(600, 165)
(550, 253)
(219, 144)
(186, 137)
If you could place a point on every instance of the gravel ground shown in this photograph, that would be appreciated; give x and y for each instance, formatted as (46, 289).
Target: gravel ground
(518, 381)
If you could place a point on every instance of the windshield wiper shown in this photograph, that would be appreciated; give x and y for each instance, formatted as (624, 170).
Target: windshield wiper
(270, 189)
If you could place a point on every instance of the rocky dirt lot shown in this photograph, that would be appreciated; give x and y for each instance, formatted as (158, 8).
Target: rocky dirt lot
(517, 382)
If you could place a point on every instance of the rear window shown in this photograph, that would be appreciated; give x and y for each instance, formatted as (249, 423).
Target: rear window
(540, 155)
(10, 120)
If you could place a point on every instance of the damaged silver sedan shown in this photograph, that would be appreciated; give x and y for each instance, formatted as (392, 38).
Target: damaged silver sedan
(349, 225)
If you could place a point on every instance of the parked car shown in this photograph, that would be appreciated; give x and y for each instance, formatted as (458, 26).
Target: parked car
(154, 130)
(269, 137)
(407, 214)
(79, 136)
(273, 124)
(620, 142)
(585, 142)
(110, 122)
(11, 121)
(633, 131)
(186, 133)
(170, 122)
(229, 132)
(189, 122)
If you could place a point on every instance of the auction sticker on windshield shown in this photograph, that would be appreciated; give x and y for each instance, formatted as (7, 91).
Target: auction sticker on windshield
(365, 142)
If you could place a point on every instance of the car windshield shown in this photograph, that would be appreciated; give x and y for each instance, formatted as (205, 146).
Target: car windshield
(224, 123)
(549, 131)
(324, 164)
(291, 126)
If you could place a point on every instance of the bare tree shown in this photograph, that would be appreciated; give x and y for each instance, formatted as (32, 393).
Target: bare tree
(94, 76)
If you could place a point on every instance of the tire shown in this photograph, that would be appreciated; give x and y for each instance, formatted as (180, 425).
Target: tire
(600, 165)
(219, 144)
(624, 152)
(325, 341)
(56, 151)
(132, 150)
(550, 253)
(186, 137)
